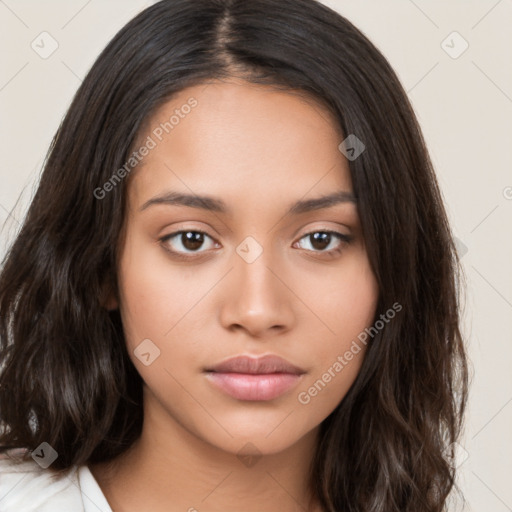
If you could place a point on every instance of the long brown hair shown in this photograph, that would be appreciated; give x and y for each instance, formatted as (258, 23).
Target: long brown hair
(66, 378)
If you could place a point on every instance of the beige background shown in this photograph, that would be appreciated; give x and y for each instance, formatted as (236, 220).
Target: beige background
(464, 105)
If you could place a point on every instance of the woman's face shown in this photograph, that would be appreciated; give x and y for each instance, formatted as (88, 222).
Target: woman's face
(255, 273)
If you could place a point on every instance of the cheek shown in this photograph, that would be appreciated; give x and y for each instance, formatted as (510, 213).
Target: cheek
(346, 303)
(156, 304)
(155, 296)
(352, 299)
(344, 299)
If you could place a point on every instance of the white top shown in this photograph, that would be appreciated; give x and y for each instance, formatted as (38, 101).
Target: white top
(26, 487)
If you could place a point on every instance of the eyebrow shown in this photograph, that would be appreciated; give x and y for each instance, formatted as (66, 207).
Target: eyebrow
(214, 204)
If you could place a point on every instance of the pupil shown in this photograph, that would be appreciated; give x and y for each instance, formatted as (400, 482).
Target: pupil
(192, 240)
(320, 240)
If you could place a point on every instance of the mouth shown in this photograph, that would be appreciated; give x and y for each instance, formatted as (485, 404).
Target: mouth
(254, 379)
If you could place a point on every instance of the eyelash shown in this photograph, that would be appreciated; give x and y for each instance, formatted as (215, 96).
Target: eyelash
(344, 239)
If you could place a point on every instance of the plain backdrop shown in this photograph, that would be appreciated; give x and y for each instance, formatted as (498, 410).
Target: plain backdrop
(454, 59)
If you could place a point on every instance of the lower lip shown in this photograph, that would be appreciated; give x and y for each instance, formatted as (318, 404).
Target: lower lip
(244, 386)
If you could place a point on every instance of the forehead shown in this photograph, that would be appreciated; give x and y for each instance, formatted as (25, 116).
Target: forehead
(241, 142)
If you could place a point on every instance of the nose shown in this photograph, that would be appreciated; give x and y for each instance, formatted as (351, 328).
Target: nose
(257, 299)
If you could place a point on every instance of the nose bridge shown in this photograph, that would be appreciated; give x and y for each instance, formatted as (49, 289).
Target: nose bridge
(257, 299)
(255, 279)
(257, 285)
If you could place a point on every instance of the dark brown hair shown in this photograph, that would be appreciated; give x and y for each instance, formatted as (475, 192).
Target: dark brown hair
(66, 377)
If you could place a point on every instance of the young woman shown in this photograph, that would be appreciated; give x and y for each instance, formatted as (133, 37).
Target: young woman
(236, 286)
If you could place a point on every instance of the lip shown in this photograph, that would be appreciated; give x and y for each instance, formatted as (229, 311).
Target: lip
(255, 378)
(256, 365)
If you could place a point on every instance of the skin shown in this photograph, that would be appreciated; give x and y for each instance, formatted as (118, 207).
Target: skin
(259, 150)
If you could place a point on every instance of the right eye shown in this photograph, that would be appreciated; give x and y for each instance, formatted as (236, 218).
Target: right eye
(185, 241)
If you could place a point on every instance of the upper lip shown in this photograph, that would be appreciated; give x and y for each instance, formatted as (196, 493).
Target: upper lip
(256, 365)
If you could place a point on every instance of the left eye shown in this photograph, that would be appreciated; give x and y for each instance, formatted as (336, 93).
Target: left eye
(320, 240)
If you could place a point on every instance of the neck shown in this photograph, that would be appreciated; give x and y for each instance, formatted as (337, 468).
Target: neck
(171, 469)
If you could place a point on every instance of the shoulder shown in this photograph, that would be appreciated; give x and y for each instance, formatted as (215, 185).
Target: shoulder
(26, 487)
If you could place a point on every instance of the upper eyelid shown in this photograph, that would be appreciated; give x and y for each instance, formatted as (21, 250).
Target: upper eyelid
(198, 230)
